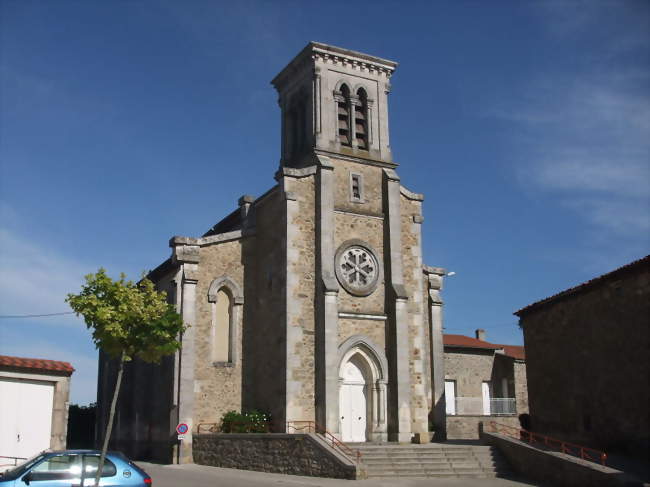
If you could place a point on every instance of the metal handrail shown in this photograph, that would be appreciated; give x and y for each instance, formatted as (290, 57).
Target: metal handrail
(247, 426)
(313, 427)
(211, 428)
(15, 459)
(583, 452)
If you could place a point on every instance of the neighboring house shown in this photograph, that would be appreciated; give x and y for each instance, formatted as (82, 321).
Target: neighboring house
(310, 302)
(483, 382)
(34, 398)
(587, 354)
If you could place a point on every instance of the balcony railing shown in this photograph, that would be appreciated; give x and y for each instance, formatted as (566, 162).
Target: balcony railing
(475, 406)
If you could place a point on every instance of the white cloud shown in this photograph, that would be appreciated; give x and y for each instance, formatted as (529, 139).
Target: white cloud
(35, 279)
(582, 134)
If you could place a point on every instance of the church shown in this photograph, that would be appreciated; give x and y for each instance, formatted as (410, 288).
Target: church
(310, 302)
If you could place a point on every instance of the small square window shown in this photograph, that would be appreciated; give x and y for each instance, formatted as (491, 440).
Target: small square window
(356, 188)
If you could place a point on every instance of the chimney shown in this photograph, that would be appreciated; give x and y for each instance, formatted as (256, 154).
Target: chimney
(480, 334)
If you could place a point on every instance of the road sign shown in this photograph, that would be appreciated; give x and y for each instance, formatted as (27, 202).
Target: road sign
(182, 428)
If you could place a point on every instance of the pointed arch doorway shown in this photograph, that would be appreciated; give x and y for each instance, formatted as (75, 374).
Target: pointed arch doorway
(353, 404)
(362, 391)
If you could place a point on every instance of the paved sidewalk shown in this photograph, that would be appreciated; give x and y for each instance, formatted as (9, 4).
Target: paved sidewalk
(203, 476)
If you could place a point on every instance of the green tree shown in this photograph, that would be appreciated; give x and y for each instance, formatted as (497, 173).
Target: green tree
(127, 320)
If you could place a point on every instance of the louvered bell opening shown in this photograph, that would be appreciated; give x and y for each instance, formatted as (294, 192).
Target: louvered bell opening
(343, 110)
(359, 114)
(361, 143)
(343, 124)
(360, 128)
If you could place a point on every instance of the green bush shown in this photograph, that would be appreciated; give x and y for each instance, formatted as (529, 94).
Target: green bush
(249, 422)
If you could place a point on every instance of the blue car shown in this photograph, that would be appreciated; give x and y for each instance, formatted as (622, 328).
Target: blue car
(75, 468)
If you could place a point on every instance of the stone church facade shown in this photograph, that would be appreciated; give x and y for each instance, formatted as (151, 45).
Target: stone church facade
(310, 302)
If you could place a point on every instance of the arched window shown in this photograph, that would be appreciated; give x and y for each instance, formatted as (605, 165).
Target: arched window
(343, 110)
(226, 300)
(361, 119)
(222, 327)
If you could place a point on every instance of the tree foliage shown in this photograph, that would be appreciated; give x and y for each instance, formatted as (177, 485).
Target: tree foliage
(127, 318)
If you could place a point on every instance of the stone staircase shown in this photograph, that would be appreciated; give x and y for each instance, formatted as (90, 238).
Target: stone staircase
(432, 460)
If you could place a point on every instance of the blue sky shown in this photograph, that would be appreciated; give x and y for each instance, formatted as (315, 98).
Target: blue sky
(122, 123)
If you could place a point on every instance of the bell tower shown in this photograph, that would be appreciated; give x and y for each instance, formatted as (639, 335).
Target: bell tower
(334, 102)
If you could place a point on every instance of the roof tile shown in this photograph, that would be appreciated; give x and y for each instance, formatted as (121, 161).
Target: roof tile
(462, 341)
(36, 364)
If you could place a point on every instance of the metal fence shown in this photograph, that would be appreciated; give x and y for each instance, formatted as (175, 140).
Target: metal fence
(475, 406)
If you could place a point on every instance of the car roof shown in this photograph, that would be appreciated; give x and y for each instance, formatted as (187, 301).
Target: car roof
(86, 451)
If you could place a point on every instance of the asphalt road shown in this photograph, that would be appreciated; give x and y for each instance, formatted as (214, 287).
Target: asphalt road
(202, 476)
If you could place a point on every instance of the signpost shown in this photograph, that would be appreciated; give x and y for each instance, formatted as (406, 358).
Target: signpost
(181, 429)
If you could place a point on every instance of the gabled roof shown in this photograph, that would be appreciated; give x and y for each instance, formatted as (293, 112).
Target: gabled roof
(514, 351)
(461, 341)
(36, 364)
(615, 274)
(231, 222)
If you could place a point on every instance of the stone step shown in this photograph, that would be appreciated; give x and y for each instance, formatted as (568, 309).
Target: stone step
(410, 461)
(442, 461)
(449, 475)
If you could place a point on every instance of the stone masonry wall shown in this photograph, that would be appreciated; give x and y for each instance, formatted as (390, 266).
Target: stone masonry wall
(521, 387)
(372, 188)
(299, 454)
(370, 230)
(419, 352)
(217, 387)
(467, 427)
(555, 468)
(374, 329)
(587, 364)
(301, 287)
(265, 310)
(469, 370)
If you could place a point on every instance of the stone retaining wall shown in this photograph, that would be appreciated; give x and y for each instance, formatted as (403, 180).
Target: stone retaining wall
(467, 427)
(557, 468)
(295, 454)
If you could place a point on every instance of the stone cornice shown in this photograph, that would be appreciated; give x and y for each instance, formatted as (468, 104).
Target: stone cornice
(391, 175)
(360, 160)
(212, 239)
(439, 271)
(410, 195)
(295, 173)
(317, 51)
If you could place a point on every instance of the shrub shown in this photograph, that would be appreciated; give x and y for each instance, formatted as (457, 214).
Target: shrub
(250, 422)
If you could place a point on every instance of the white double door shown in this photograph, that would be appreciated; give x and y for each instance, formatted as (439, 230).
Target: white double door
(25, 416)
(353, 404)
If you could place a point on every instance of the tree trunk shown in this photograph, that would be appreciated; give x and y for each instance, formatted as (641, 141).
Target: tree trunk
(111, 416)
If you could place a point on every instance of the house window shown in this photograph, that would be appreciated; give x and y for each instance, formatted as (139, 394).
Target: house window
(356, 188)
(487, 396)
(343, 109)
(361, 119)
(450, 397)
(221, 327)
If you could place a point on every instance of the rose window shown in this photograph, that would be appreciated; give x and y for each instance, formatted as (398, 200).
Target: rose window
(357, 269)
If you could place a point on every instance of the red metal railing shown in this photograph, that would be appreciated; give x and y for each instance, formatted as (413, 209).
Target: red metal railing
(234, 427)
(580, 451)
(312, 427)
(207, 428)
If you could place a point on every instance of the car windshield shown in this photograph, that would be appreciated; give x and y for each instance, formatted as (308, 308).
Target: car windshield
(23, 467)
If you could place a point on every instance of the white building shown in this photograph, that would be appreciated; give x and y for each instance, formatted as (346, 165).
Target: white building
(34, 399)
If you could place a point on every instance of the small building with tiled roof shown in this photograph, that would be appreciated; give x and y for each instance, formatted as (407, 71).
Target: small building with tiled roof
(587, 359)
(34, 398)
(483, 382)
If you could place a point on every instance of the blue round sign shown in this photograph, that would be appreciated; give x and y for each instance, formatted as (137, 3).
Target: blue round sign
(182, 428)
